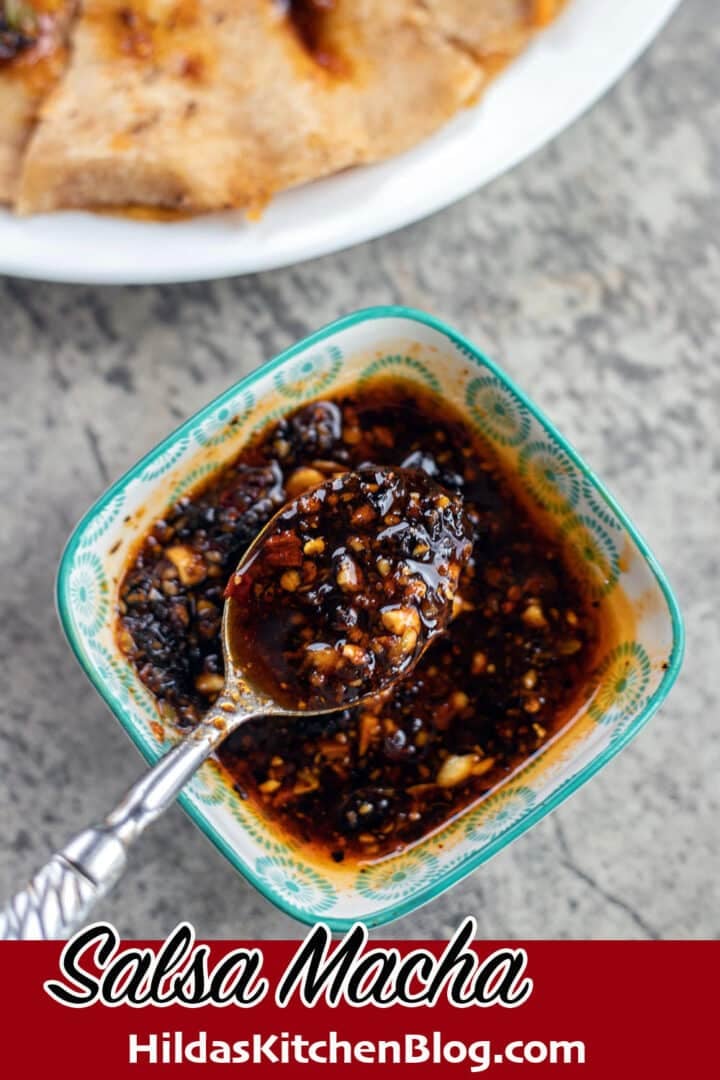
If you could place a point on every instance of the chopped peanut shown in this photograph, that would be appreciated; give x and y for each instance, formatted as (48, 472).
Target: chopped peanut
(322, 658)
(189, 564)
(408, 641)
(362, 516)
(354, 653)
(314, 547)
(533, 616)
(209, 684)
(290, 580)
(302, 480)
(398, 620)
(455, 769)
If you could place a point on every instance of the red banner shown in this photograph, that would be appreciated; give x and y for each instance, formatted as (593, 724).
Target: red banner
(587, 1009)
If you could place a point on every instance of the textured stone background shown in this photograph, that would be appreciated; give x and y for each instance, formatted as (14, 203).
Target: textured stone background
(593, 274)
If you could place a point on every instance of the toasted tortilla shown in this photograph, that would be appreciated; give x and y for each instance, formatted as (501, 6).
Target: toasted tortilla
(493, 31)
(25, 81)
(211, 105)
(16, 120)
(203, 105)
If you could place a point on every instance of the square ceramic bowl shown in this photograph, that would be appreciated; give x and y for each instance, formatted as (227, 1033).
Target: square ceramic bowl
(638, 669)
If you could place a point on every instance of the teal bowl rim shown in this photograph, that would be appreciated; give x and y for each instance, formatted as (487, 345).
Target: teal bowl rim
(150, 750)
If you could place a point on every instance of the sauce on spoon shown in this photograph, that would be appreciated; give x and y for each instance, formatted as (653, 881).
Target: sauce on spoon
(347, 586)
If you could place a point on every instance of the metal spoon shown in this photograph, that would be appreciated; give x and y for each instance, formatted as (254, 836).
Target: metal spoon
(60, 896)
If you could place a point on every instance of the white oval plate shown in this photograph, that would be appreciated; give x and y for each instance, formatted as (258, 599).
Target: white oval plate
(567, 68)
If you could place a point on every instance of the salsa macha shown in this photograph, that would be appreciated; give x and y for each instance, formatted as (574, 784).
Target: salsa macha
(347, 586)
(502, 677)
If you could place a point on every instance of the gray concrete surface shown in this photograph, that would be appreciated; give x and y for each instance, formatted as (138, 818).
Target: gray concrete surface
(593, 274)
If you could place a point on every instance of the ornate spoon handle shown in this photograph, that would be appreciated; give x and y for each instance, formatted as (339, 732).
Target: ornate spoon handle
(60, 896)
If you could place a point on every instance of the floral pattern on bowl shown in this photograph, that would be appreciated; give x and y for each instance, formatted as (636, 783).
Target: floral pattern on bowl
(639, 667)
